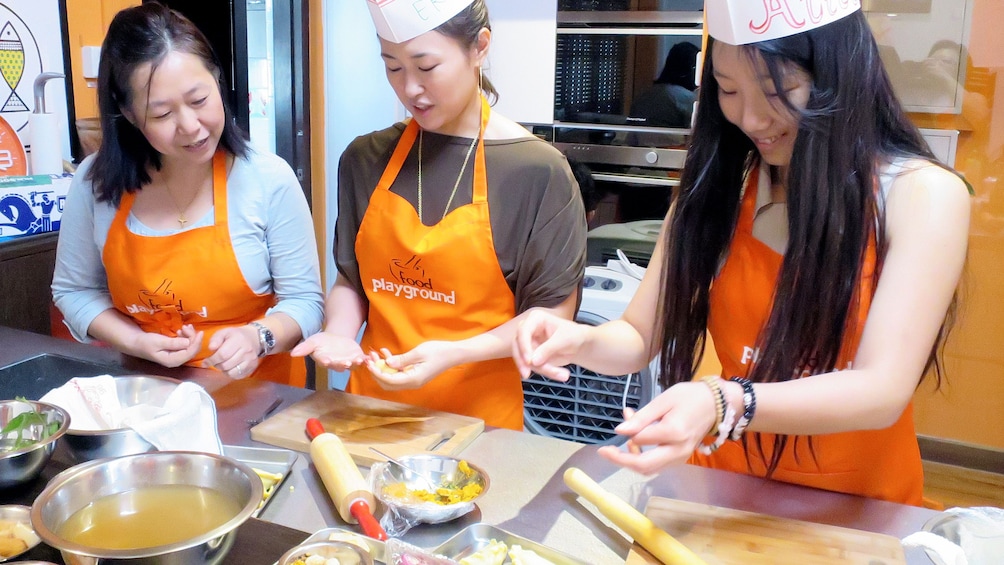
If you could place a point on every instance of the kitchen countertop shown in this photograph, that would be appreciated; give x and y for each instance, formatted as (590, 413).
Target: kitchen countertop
(527, 498)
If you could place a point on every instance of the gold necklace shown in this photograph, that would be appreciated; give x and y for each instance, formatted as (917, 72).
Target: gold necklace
(181, 211)
(455, 185)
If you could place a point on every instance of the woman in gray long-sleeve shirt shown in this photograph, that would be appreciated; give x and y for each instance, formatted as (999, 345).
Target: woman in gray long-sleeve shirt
(180, 243)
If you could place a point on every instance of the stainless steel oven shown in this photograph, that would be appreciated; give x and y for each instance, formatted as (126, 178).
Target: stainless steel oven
(624, 92)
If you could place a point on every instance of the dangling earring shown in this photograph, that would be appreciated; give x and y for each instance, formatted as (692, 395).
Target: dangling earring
(481, 79)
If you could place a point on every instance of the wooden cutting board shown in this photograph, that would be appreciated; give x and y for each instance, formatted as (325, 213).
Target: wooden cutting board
(723, 536)
(361, 422)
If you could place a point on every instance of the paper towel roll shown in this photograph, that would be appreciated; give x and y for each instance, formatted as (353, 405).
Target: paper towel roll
(46, 144)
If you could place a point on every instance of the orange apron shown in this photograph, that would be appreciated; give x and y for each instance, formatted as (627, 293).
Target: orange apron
(440, 282)
(191, 277)
(883, 464)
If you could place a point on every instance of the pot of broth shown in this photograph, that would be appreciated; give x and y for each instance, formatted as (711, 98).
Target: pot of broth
(152, 508)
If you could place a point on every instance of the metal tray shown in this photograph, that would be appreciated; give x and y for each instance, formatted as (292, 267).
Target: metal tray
(471, 539)
(278, 461)
(476, 536)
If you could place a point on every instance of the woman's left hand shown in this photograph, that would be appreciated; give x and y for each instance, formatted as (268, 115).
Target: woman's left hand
(235, 351)
(413, 369)
(671, 426)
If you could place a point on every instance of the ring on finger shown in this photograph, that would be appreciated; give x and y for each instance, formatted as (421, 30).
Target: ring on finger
(240, 368)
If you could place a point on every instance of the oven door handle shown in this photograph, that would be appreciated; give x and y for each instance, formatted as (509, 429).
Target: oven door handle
(636, 179)
(628, 31)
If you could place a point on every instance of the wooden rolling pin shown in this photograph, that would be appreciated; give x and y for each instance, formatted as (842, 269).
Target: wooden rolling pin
(660, 544)
(342, 479)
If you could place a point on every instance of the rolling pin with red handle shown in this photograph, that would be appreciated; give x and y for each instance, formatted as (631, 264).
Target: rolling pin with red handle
(342, 479)
(663, 546)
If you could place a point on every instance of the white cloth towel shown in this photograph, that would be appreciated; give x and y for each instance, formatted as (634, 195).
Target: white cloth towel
(963, 536)
(185, 422)
(92, 402)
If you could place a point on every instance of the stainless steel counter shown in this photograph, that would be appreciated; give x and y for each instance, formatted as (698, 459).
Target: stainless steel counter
(527, 495)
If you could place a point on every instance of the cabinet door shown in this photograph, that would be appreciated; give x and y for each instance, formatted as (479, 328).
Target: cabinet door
(521, 59)
(26, 265)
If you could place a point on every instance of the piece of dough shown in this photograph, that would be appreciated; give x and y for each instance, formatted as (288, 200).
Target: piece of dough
(492, 554)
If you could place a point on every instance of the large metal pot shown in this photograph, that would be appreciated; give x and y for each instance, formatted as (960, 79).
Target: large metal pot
(79, 486)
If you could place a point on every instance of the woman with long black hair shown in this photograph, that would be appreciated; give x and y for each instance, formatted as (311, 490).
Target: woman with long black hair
(818, 241)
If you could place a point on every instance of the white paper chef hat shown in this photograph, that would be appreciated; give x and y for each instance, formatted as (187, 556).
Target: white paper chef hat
(739, 22)
(400, 20)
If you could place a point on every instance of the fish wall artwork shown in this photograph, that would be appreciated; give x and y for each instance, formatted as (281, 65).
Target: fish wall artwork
(32, 39)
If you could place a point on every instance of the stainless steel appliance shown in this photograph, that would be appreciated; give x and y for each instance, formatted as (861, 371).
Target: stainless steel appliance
(624, 92)
(588, 406)
(625, 83)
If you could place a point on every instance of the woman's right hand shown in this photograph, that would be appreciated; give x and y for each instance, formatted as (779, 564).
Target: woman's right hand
(332, 351)
(670, 428)
(169, 351)
(545, 343)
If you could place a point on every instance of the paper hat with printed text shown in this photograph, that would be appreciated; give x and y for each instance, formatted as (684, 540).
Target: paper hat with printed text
(740, 22)
(398, 21)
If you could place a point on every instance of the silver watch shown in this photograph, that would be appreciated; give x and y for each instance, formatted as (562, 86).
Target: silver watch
(266, 339)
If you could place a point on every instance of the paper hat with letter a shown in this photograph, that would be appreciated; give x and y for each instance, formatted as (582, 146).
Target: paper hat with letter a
(398, 21)
(740, 22)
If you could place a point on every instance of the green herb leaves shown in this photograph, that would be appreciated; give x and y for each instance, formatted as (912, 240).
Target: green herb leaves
(28, 428)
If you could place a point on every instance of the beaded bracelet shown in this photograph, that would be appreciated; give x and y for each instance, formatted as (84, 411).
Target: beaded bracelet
(749, 407)
(716, 391)
(723, 433)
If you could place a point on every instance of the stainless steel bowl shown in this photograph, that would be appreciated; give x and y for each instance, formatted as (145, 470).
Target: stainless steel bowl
(79, 486)
(440, 468)
(19, 466)
(132, 390)
(346, 553)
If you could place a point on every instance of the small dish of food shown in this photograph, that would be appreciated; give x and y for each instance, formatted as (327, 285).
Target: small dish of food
(29, 431)
(16, 535)
(373, 547)
(327, 552)
(404, 488)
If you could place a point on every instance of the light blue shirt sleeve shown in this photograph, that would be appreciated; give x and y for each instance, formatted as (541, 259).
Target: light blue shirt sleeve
(273, 236)
(270, 228)
(79, 283)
